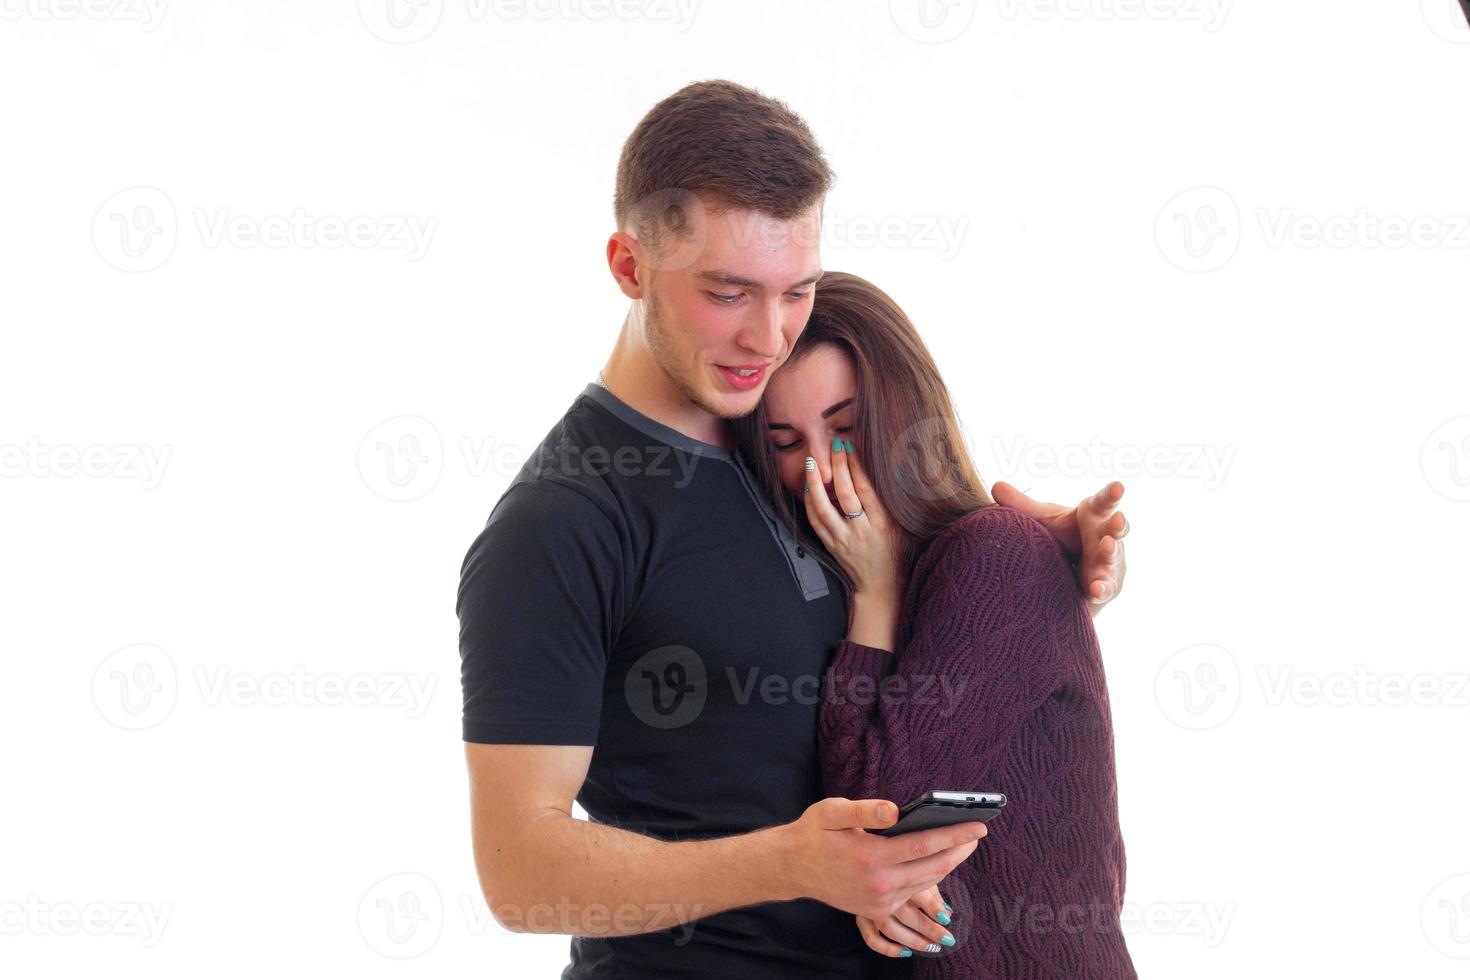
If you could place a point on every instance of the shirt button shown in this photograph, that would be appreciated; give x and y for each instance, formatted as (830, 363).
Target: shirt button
(800, 552)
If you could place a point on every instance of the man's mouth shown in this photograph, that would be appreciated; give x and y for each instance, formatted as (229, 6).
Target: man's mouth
(742, 377)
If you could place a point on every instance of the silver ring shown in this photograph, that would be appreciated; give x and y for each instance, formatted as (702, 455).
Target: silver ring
(932, 948)
(853, 517)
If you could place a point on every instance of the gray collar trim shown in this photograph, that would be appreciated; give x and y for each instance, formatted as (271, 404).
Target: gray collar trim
(650, 428)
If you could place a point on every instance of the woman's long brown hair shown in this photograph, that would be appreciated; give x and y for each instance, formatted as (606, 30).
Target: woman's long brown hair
(905, 430)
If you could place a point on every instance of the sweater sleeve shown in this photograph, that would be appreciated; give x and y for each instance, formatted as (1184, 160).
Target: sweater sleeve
(988, 637)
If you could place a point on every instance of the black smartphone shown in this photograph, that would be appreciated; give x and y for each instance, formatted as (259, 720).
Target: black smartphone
(940, 808)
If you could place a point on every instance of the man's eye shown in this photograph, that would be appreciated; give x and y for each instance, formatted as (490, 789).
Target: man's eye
(799, 296)
(723, 298)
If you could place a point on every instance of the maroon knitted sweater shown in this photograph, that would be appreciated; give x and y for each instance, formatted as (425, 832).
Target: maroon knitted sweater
(997, 686)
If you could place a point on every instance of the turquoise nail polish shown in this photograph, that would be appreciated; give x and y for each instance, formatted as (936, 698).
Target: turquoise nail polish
(948, 940)
(948, 907)
(943, 919)
(907, 952)
(848, 444)
(836, 445)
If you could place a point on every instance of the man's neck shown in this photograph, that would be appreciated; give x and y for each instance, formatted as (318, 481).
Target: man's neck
(633, 376)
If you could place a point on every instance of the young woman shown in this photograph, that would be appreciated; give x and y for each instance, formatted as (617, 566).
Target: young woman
(970, 663)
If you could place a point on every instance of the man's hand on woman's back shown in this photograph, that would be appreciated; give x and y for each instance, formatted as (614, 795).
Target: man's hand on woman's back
(1091, 534)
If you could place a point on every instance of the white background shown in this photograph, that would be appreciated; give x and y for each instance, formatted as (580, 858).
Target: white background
(1218, 250)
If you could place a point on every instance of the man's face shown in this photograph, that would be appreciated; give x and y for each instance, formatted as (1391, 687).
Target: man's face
(725, 307)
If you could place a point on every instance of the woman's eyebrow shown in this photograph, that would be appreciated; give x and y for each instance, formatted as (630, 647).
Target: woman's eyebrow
(827, 414)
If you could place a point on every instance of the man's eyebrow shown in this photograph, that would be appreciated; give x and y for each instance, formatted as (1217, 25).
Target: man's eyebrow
(827, 414)
(731, 279)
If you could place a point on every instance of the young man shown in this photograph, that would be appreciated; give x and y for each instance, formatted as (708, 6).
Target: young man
(639, 633)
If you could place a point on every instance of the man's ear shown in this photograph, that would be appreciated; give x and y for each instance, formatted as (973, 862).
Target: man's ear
(625, 262)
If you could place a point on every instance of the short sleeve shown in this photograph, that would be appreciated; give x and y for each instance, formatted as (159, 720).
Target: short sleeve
(538, 597)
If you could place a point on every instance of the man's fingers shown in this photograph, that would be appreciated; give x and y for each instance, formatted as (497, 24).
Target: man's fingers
(838, 813)
(923, 843)
(935, 868)
(1106, 499)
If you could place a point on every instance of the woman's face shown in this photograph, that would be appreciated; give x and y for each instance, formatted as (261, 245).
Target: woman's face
(809, 402)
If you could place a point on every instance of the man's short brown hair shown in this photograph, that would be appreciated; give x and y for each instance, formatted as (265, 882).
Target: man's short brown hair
(733, 147)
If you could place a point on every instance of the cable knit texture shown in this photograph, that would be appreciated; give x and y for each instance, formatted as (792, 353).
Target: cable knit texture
(997, 686)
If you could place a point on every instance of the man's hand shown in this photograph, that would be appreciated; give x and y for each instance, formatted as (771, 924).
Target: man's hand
(831, 857)
(1091, 534)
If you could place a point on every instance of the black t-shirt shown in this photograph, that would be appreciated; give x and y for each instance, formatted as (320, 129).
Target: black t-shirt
(633, 591)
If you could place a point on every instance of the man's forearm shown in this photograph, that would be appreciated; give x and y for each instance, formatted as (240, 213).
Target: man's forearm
(563, 875)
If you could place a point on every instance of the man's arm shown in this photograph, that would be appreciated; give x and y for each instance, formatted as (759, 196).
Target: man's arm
(542, 870)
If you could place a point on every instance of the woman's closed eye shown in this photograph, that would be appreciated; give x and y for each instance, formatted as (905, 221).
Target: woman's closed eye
(782, 447)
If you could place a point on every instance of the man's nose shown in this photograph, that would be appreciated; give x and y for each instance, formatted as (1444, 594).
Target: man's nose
(762, 336)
